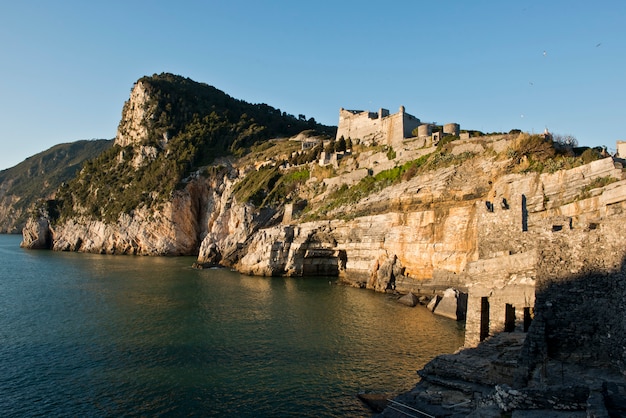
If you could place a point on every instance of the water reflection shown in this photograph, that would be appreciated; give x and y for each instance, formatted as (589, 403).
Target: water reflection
(104, 335)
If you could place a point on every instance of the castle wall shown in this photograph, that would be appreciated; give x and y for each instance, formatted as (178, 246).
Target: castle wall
(409, 122)
(376, 127)
(621, 149)
(363, 125)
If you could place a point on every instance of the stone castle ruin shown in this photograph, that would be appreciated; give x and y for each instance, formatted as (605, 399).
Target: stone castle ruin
(389, 129)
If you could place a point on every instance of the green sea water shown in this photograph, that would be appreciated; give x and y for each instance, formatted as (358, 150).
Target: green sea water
(95, 335)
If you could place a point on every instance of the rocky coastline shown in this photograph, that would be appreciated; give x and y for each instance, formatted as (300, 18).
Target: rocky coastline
(531, 257)
(485, 382)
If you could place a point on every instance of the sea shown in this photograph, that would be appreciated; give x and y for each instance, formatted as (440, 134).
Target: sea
(84, 335)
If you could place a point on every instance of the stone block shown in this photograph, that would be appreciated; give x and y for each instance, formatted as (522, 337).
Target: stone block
(433, 303)
(448, 305)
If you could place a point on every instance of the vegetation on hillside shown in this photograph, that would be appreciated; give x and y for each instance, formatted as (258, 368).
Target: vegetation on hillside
(190, 125)
(39, 176)
(539, 154)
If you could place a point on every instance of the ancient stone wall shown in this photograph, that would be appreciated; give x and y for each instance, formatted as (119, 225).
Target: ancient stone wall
(515, 229)
(580, 316)
(373, 127)
(501, 295)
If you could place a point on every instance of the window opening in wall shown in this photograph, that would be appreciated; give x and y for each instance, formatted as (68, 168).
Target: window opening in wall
(509, 318)
(527, 319)
(524, 214)
(484, 318)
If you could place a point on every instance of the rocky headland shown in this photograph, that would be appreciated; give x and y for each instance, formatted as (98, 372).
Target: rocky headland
(517, 236)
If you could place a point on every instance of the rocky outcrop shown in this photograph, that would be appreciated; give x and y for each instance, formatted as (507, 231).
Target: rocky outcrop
(136, 117)
(36, 234)
(451, 304)
(176, 228)
(482, 381)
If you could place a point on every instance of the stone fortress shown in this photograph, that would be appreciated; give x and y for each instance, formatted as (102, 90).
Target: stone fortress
(390, 129)
(489, 250)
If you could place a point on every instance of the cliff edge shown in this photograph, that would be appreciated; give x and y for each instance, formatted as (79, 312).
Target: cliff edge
(528, 230)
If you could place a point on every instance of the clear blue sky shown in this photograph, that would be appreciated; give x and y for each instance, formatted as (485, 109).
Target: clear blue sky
(67, 67)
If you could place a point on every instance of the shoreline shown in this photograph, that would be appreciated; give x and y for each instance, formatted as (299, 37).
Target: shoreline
(486, 381)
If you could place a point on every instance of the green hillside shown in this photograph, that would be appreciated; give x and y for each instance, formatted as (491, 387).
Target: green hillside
(39, 176)
(189, 125)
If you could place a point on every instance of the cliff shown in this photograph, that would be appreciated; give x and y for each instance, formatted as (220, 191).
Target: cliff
(193, 171)
(151, 192)
(512, 222)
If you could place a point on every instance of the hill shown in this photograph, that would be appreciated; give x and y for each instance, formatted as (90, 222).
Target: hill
(514, 233)
(39, 177)
(171, 127)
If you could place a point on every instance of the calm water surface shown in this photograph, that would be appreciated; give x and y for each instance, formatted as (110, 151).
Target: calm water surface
(92, 335)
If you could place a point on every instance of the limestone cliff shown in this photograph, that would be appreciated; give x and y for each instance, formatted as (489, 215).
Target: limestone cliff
(510, 221)
(433, 226)
(152, 193)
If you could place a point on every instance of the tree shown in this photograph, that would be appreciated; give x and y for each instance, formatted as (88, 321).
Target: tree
(565, 141)
(330, 147)
(341, 145)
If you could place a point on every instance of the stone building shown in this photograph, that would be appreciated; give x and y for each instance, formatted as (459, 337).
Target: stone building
(621, 149)
(379, 127)
(383, 128)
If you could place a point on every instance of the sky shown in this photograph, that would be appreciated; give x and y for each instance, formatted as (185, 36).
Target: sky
(67, 67)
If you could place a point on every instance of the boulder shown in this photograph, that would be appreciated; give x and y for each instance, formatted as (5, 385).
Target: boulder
(448, 305)
(409, 300)
(433, 303)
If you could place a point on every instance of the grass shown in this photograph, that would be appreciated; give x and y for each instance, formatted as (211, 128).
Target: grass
(371, 184)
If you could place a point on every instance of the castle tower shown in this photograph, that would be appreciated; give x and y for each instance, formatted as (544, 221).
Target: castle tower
(452, 129)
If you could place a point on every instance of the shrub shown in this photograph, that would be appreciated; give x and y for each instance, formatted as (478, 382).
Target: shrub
(442, 146)
(590, 155)
(535, 147)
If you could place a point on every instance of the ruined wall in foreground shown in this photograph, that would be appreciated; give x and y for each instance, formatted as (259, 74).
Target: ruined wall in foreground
(580, 315)
(527, 221)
